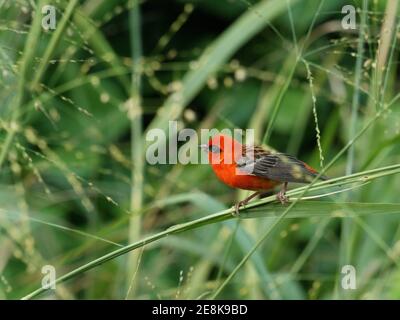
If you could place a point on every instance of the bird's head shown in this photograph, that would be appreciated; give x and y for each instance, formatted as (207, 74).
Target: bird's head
(222, 149)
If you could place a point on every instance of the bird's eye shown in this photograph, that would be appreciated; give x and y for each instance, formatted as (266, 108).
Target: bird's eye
(214, 149)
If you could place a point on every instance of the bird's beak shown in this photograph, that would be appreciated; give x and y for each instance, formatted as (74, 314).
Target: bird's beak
(204, 147)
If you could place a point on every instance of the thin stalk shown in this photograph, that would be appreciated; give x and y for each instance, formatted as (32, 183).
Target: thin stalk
(357, 83)
(289, 9)
(300, 261)
(227, 251)
(279, 99)
(295, 56)
(346, 242)
(135, 114)
(386, 36)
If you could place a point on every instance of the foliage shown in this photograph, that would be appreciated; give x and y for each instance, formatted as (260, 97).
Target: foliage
(77, 102)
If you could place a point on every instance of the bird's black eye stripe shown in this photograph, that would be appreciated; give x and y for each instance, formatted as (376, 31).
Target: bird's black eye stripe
(214, 149)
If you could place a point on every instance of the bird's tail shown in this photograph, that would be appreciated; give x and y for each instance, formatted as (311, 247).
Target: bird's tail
(314, 172)
(324, 178)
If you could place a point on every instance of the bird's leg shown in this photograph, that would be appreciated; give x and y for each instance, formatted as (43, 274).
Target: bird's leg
(281, 196)
(244, 202)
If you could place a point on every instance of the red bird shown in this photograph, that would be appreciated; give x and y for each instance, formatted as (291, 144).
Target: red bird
(254, 168)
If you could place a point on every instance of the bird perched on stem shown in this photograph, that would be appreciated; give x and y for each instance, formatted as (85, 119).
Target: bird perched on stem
(254, 168)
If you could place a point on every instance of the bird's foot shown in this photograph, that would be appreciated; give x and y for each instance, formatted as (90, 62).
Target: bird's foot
(282, 197)
(237, 207)
(243, 203)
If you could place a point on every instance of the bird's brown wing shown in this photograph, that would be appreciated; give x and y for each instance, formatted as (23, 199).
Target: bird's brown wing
(275, 166)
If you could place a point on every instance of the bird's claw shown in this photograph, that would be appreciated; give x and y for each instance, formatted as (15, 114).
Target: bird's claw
(282, 197)
(237, 208)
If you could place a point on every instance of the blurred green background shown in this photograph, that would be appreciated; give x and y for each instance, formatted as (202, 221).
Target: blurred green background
(77, 101)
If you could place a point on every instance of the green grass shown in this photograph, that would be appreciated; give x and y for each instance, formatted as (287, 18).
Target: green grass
(77, 193)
